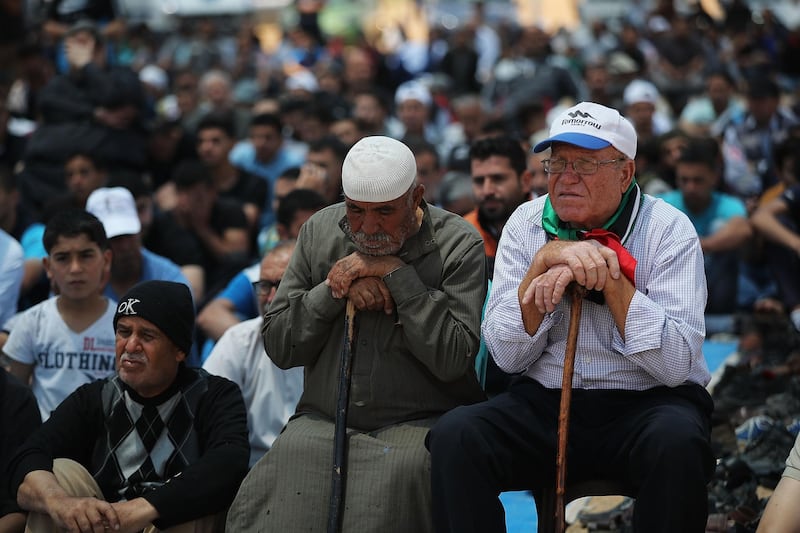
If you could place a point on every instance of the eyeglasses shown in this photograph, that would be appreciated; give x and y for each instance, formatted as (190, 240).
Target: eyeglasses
(264, 286)
(580, 166)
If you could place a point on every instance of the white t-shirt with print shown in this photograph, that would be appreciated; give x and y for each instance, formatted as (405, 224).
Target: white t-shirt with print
(62, 359)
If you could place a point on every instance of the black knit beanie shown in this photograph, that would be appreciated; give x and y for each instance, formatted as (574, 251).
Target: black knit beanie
(167, 304)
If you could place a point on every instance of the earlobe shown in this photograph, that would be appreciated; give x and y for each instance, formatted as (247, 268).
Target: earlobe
(419, 191)
(46, 264)
(629, 172)
(526, 181)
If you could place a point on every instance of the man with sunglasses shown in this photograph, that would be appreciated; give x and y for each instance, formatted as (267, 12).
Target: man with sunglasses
(640, 411)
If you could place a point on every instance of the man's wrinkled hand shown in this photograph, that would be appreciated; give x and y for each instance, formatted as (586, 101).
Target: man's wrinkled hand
(547, 289)
(591, 263)
(371, 294)
(84, 515)
(358, 265)
(135, 514)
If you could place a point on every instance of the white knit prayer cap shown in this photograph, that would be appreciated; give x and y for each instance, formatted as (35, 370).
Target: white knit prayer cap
(378, 169)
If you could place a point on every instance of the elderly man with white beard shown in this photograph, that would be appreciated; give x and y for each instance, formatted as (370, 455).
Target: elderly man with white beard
(416, 276)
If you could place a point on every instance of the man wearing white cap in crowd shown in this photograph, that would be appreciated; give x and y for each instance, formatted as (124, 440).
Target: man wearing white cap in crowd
(644, 108)
(640, 410)
(130, 261)
(414, 108)
(417, 278)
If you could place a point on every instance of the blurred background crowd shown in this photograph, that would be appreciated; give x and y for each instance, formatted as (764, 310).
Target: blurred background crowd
(211, 113)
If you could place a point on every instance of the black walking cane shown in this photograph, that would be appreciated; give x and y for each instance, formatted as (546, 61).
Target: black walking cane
(577, 293)
(340, 428)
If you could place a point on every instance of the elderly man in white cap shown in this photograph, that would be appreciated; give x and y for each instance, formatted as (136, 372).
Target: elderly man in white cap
(640, 410)
(416, 275)
(416, 112)
(644, 107)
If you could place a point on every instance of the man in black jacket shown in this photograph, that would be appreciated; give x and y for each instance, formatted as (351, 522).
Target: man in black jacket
(92, 108)
(123, 453)
(19, 417)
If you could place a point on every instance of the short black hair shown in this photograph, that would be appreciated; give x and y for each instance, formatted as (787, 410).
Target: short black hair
(700, 150)
(220, 120)
(759, 88)
(272, 120)
(139, 184)
(298, 200)
(73, 222)
(97, 163)
(329, 142)
(291, 173)
(503, 146)
(191, 172)
(724, 73)
(421, 146)
(379, 95)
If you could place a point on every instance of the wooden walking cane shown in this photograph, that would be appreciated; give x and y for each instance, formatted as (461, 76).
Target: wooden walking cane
(577, 292)
(340, 428)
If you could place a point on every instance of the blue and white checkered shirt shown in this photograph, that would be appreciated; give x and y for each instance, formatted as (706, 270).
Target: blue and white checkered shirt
(664, 328)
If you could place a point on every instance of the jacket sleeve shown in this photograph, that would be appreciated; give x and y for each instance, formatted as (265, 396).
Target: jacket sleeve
(70, 432)
(213, 480)
(441, 325)
(19, 419)
(303, 312)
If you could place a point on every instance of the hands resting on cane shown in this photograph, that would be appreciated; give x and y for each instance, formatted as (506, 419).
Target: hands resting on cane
(359, 277)
(557, 264)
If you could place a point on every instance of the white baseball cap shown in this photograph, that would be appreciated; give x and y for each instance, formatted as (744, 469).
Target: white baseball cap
(378, 169)
(592, 126)
(116, 209)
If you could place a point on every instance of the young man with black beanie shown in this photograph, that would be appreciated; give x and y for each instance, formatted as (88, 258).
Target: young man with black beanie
(124, 453)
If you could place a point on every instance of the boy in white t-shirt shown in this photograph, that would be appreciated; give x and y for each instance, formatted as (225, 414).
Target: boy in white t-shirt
(67, 340)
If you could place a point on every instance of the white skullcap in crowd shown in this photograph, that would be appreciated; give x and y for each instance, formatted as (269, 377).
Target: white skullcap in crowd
(638, 91)
(302, 80)
(413, 90)
(155, 76)
(378, 169)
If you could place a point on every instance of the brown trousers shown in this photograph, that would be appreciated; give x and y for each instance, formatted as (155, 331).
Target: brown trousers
(78, 482)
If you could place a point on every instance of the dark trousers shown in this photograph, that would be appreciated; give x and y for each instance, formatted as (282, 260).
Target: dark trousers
(785, 264)
(656, 441)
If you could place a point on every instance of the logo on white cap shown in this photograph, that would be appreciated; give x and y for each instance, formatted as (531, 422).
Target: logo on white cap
(578, 117)
(592, 126)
